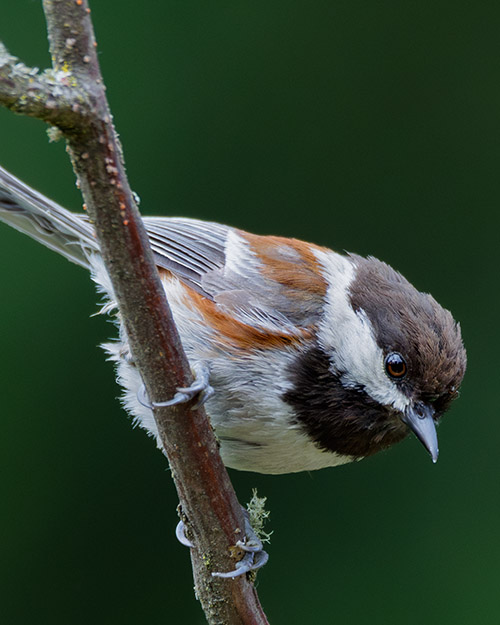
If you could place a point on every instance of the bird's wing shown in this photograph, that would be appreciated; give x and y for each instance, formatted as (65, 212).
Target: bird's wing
(270, 283)
(188, 248)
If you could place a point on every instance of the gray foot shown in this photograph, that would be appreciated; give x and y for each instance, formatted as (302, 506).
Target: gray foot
(200, 387)
(255, 557)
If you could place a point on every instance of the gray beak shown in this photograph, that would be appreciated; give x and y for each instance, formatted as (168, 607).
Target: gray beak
(419, 418)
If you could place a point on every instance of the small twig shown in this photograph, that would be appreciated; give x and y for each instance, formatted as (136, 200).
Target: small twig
(52, 96)
(71, 97)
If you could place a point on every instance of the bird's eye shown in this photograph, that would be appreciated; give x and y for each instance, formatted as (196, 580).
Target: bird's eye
(395, 365)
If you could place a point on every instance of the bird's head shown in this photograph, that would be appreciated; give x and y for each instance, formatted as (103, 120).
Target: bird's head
(387, 360)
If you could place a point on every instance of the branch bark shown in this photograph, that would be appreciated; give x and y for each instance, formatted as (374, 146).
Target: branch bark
(71, 96)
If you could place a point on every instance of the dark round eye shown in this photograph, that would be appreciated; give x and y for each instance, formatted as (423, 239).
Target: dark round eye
(395, 365)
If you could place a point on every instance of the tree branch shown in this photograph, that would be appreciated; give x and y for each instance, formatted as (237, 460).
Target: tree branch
(52, 96)
(71, 97)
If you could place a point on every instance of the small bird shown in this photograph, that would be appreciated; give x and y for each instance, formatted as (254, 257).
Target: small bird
(305, 358)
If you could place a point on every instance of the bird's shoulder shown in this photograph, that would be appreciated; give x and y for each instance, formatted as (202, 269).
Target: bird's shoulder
(273, 284)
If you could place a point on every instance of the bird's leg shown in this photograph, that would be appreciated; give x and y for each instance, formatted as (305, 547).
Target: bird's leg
(255, 557)
(200, 386)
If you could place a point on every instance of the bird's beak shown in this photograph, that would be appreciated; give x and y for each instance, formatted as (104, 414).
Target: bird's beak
(419, 418)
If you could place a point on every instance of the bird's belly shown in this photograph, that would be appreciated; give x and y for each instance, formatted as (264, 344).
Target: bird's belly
(255, 427)
(263, 448)
(257, 430)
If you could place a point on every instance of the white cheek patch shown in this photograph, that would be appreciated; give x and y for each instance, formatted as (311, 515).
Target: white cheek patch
(348, 337)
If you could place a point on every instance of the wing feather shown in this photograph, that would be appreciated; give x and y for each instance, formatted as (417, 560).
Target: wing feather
(268, 283)
(188, 248)
(223, 265)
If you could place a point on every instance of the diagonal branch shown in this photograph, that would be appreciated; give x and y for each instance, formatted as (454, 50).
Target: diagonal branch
(71, 96)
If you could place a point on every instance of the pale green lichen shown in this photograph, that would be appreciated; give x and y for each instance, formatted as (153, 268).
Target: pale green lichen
(258, 516)
(54, 134)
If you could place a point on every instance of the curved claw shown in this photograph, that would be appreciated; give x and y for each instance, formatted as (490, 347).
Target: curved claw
(251, 561)
(200, 386)
(205, 395)
(245, 565)
(255, 556)
(261, 558)
(179, 398)
(180, 532)
(142, 397)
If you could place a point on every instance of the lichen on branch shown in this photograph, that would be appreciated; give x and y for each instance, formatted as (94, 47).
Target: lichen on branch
(71, 97)
(52, 95)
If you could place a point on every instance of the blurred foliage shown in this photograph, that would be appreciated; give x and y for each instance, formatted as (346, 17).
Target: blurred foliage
(366, 126)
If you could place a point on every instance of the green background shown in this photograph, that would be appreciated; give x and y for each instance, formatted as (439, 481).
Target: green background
(360, 125)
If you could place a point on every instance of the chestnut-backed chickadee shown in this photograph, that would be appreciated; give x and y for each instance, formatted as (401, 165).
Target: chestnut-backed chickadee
(315, 358)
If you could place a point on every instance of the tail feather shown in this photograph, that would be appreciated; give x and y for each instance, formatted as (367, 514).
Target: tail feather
(45, 221)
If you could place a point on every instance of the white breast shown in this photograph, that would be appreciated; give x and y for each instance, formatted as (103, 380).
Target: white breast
(255, 427)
